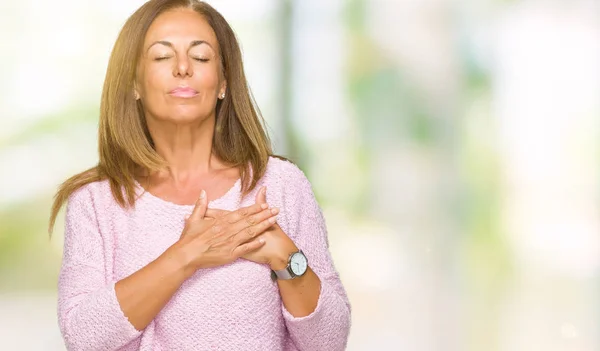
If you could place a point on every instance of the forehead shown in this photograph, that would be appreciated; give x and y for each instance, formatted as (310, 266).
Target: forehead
(180, 25)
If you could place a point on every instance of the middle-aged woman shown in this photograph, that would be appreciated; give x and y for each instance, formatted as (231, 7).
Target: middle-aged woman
(189, 234)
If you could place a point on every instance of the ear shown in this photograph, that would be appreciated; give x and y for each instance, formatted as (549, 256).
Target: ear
(136, 93)
(223, 90)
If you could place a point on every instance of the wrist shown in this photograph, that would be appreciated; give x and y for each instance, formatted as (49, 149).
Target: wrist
(183, 262)
(281, 260)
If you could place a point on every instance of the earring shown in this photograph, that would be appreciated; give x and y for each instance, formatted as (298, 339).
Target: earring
(137, 96)
(222, 96)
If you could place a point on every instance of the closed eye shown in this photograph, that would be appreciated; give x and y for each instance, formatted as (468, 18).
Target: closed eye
(162, 58)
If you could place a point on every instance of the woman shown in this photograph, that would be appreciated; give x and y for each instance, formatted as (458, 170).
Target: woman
(189, 234)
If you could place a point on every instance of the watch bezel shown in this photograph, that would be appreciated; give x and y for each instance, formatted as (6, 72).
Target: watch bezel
(287, 272)
(291, 259)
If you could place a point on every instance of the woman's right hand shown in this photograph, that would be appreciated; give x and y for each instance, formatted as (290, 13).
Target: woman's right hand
(211, 242)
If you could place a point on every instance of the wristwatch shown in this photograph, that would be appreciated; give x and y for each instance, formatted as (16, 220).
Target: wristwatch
(297, 266)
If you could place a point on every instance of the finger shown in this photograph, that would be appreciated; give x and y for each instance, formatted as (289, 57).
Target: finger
(261, 196)
(264, 221)
(244, 212)
(254, 219)
(200, 207)
(248, 247)
(215, 213)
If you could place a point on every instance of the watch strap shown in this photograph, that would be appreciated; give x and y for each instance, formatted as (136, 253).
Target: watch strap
(286, 273)
(283, 274)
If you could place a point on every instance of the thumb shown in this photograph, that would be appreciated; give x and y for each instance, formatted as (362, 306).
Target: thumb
(200, 207)
(261, 196)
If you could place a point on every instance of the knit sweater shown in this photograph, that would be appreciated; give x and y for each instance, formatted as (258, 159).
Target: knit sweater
(232, 307)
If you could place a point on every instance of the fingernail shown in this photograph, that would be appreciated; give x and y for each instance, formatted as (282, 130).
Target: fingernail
(202, 194)
(272, 220)
(261, 240)
(264, 189)
(274, 210)
(264, 206)
(187, 217)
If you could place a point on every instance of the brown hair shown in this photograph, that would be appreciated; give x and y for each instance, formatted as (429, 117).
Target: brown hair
(124, 142)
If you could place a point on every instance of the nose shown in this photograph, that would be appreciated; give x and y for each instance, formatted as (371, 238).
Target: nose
(183, 67)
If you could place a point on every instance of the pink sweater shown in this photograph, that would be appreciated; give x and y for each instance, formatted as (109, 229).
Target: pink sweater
(232, 307)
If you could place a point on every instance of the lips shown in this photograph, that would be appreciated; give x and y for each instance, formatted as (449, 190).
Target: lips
(183, 92)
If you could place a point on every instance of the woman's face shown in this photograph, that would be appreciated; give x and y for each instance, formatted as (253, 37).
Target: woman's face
(179, 72)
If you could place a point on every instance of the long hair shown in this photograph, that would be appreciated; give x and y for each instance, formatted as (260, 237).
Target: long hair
(124, 142)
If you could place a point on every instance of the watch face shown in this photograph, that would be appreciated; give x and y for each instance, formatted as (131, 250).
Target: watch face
(298, 263)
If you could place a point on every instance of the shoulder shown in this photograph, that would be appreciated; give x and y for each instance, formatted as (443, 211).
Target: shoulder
(287, 182)
(94, 194)
(284, 174)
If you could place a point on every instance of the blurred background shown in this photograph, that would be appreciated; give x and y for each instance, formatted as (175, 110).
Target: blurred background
(453, 146)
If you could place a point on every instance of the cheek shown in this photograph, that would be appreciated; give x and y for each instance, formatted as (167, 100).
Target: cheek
(156, 79)
(206, 77)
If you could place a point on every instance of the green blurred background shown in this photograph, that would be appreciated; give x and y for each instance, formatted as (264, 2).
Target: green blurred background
(453, 146)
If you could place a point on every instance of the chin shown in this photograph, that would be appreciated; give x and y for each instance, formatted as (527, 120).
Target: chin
(187, 114)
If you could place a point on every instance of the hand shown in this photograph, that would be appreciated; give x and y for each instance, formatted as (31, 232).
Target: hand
(213, 242)
(278, 246)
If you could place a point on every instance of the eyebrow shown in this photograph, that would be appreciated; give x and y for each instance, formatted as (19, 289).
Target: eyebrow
(169, 44)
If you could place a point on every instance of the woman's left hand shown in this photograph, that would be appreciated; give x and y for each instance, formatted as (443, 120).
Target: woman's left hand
(278, 246)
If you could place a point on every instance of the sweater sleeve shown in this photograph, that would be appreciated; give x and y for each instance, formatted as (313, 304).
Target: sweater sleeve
(328, 326)
(89, 314)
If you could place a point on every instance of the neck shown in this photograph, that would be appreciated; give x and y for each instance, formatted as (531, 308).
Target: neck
(187, 148)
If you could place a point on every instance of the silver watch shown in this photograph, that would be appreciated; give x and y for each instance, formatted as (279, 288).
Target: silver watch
(296, 267)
